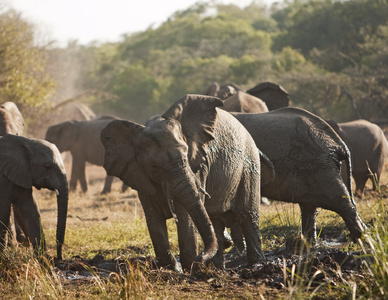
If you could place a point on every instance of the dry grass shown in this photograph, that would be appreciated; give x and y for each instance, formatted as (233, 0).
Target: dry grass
(108, 255)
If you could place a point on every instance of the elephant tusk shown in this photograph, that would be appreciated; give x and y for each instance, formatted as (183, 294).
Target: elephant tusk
(172, 209)
(56, 191)
(202, 190)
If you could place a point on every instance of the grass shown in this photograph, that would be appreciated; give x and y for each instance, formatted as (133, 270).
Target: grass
(108, 255)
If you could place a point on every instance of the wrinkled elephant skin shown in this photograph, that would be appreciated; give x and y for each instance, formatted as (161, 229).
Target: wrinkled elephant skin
(306, 154)
(195, 162)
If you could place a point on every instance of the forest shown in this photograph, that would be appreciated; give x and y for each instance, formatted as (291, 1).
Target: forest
(331, 56)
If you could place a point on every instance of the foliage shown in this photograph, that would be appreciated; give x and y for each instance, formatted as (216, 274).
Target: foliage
(23, 76)
(330, 55)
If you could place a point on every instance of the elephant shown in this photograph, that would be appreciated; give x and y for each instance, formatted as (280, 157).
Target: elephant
(368, 147)
(273, 94)
(194, 162)
(243, 102)
(11, 119)
(213, 89)
(306, 153)
(12, 122)
(82, 139)
(63, 111)
(27, 163)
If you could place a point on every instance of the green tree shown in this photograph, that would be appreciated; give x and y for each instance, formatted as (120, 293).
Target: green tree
(23, 71)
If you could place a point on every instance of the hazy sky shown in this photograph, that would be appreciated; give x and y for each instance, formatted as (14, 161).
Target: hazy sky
(102, 20)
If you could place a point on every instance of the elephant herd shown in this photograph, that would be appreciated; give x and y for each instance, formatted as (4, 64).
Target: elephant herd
(200, 162)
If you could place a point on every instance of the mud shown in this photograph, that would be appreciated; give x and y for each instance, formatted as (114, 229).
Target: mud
(324, 263)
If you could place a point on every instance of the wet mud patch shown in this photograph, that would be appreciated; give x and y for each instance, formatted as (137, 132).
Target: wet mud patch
(322, 264)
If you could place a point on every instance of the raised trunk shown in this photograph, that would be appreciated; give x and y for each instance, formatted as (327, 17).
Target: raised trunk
(62, 200)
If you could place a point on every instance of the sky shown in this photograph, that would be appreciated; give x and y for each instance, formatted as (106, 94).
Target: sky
(86, 21)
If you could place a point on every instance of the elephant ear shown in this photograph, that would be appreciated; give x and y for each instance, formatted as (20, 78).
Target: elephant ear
(14, 161)
(119, 139)
(197, 115)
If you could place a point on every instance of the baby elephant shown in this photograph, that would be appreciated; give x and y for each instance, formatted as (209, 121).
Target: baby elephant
(25, 163)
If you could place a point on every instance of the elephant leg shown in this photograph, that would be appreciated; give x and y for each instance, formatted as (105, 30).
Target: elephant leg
(218, 258)
(5, 213)
(82, 177)
(73, 177)
(28, 217)
(78, 174)
(237, 237)
(309, 222)
(107, 185)
(250, 229)
(17, 233)
(20, 236)
(187, 237)
(157, 228)
(360, 179)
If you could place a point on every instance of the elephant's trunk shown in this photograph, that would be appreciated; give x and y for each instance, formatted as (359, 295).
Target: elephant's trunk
(62, 200)
(185, 190)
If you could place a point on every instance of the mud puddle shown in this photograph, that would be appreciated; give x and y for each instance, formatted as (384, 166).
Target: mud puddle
(327, 262)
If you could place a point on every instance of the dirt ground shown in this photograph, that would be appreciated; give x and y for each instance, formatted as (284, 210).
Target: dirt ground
(334, 261)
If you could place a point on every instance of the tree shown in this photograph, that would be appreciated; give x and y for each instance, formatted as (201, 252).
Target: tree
(23, 76)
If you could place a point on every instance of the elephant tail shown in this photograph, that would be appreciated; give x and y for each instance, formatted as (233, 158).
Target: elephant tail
(344, 155)
(267, 169)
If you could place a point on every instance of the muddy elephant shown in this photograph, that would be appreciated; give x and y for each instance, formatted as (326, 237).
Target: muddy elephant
(243, 102)
(27, 163)
(82, 139)
(369, 149)
(273, 94)
(195, 162)
(306, 153)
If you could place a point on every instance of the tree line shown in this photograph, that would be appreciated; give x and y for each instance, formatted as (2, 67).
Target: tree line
(331, 56)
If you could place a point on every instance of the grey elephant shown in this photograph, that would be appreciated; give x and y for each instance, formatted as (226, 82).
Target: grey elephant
(243, 102)
(273, 94)
(195, 162)
(369, 149)
(12, 122)
(27, 163)
(306, 153)
(82, 139)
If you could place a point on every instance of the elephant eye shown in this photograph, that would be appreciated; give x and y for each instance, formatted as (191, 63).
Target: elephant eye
(47, 166)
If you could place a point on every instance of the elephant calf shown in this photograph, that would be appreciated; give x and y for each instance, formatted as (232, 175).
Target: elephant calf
(25, 163)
